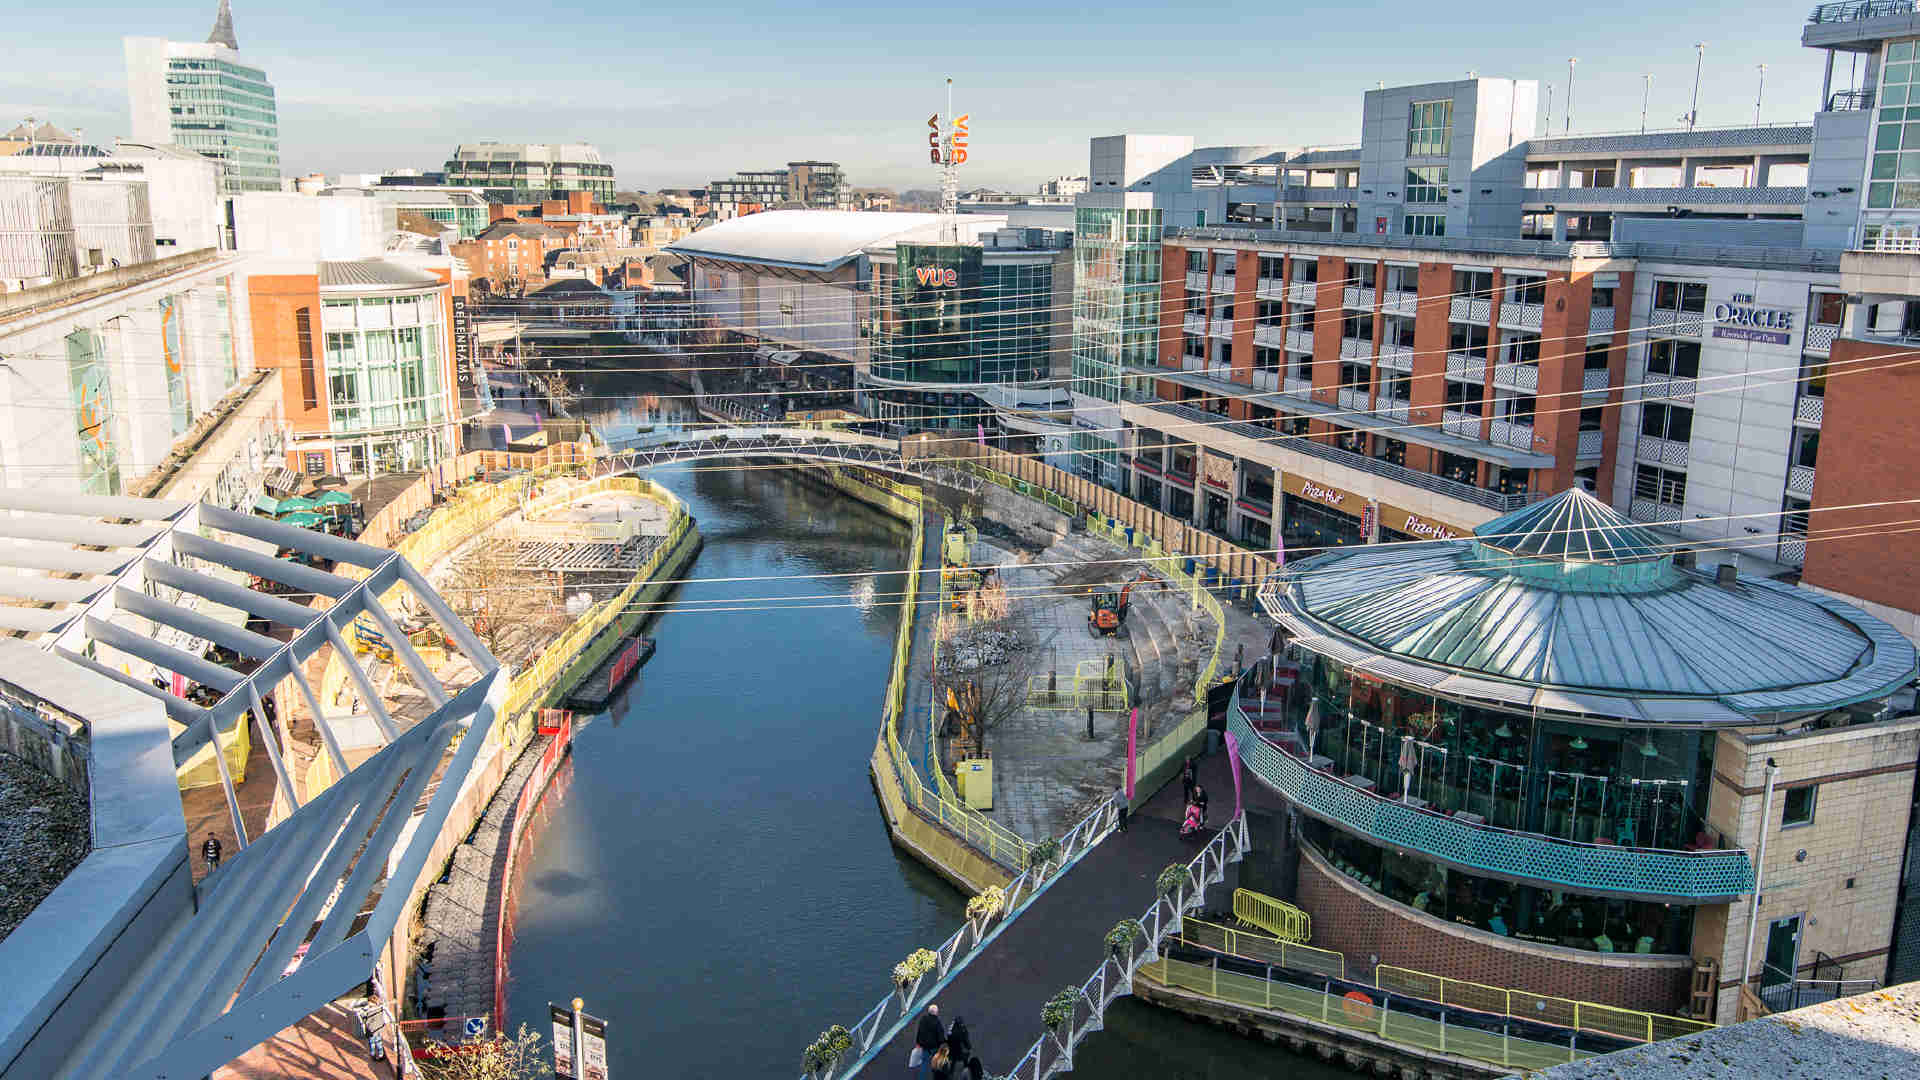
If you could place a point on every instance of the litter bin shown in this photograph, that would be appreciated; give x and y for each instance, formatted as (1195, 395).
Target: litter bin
(1129, 536)
(1186, 567)
(973, 782)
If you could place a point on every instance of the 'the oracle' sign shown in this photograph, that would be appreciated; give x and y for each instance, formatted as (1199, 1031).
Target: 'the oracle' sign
(1740, 320)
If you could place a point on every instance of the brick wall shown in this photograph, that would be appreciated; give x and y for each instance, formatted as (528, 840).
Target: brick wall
(274, 302)
(1351, 919)
(1868, 447)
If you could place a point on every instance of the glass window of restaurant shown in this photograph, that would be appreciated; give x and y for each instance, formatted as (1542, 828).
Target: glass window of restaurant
(1308, 524)
(1525, 912)
(1642, 787)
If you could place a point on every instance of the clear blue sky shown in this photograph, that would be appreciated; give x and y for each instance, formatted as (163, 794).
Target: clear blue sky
(679, 94)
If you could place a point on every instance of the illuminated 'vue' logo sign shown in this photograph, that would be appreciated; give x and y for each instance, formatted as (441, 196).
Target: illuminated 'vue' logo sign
(956, 143)
(937, 276)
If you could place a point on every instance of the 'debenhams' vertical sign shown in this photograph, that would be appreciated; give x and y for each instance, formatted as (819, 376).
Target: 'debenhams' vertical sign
(1740, 320)
(462, 342)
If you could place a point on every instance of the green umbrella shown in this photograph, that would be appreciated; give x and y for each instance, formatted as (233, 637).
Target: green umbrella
(333, 498)
(295, 504)
(304, 519)
(267, 504)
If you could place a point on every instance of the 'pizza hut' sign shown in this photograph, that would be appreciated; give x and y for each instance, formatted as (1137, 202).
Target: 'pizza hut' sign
(1326, 495)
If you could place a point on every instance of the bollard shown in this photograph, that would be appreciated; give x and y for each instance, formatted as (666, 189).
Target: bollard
(1089, 722)
(1053, 686)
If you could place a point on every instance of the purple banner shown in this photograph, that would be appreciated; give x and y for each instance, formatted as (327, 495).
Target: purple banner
(1743, 333)
(1133, 732)
(1233, 759)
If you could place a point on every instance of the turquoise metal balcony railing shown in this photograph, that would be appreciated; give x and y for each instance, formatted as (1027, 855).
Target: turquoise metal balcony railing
(1597, 869)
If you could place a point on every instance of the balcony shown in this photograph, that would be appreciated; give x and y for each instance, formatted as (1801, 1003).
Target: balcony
(1809, 411)
(1793, 552)
(1300, 341)
(1439, 485)
(1517, 377)
(1594, 379)
(1655, 451)
(1601, 869)
(1353, 399)
(1266, 380)
(1397, 357)
(1820, 339)
(1356, 298)
(1399, 303)
(1466, 365)
(1670, 324)
(1465, 425)
(1302, 292)
(1356, 349)
(1395, 409)
(1522, 316)
(1297, 387)
(1270, 288)
(1271, 335)
(1657, 387)
(1196, 281)
(1590, 444)
(1648, 510)
(1194, 323)
(1223, 284)
(1220, 328)
(1800, 480)
(1509, 433)
(1600, 320)
(1294, 193)
(1468, 310)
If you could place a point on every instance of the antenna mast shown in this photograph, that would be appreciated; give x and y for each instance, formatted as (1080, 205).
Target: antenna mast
(949, 178)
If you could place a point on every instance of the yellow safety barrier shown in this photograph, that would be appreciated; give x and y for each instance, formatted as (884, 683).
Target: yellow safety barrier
(1361, 1014)
(1276, 917)
(1171, 741)
(1263, 947)
(1564, 1012)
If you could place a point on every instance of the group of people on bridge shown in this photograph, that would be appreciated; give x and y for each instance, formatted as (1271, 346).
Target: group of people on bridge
(943, 1053)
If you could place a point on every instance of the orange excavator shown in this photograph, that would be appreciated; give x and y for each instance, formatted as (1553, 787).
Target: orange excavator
(1109, 613)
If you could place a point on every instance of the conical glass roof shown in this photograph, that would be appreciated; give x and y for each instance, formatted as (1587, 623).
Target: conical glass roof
(1572, 525)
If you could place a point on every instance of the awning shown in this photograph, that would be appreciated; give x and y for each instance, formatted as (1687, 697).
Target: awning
(296, 504)
(784, 356)
(305, 519)
(266, 504)
(333, 498)
(283, 481)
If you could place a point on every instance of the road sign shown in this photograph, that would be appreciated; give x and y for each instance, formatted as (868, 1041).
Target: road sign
(475, 1026)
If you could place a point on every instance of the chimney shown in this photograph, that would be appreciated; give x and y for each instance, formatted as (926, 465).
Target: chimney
(1725, 574)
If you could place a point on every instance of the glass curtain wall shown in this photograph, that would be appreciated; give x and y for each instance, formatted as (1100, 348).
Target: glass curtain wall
(1116, 316)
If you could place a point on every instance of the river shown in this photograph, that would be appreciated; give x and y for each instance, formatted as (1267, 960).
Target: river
(711, 873)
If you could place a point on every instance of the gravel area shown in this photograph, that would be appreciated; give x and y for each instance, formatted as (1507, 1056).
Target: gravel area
(43, 836)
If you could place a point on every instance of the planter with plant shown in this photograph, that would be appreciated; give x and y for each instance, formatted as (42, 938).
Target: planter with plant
(1043, 853)
(825, 1051)
(918, 963)
(1174, 878)
(1120, 939)
(982, 908)
(1058, 1010)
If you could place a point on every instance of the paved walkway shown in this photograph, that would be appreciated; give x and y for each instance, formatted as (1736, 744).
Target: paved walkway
(1056, 943)
(325, 1046)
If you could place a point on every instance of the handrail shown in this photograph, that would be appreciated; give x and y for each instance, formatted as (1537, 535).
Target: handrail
(877, 1028)
(1113, 979)
(1541, 1008)
(1264, 948)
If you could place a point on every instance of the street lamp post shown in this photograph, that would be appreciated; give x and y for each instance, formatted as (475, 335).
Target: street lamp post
(1646, 90)
(1758, 94)
(1568, 125)
(1699, 58)
(579, 1043)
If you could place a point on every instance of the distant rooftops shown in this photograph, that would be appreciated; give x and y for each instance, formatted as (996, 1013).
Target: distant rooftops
(547, 152)
(818, 240)
(372, 273)
(510, 227)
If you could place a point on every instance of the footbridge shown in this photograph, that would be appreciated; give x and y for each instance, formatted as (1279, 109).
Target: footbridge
(730, 443)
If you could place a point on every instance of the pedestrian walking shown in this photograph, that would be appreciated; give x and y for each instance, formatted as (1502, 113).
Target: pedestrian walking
(959, 1043)
(210, 851)
(1200, 800)
(1189, 779)
(974, 1070)
(940, 1067)
(927, 1038)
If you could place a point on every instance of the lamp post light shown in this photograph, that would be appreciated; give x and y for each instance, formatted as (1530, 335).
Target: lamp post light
(1699, 58)
(1567, 126)
(1758, 94)
(1646, 90)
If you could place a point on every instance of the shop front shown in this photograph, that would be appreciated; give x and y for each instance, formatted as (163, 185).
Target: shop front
(1398, 526)
(1317, 515)
(1216, 490)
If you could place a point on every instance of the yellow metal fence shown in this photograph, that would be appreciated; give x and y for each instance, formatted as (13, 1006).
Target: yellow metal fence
(1276, 917)
(1262, 947)
(1378, 1018)
(1564, 1012)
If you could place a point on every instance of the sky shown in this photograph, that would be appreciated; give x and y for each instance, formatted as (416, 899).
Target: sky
(681, 95)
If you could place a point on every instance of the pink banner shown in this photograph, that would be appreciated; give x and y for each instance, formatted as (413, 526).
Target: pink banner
(1233, 759)
(1133, 732)
(980, 433)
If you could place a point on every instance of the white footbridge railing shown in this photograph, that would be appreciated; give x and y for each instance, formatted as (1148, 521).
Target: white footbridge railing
(875, 1030)
(1053, 1052)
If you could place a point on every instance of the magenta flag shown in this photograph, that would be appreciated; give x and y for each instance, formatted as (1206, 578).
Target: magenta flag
(1133, 732)
(1279, 548)
(980, 434)
(1233, 759)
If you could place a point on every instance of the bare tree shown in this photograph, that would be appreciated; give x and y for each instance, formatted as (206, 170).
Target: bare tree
(988, 662)
(503, 601)
(495, 1057)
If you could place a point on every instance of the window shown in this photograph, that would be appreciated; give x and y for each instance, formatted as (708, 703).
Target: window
(1427, 184)
(1894, 174)
(1305, 270)
(1527, 290)
(1666, 422)
(1602, 297)
(1477, 284)
(1663, 486)
(1596, 358)
(1196, 262)
(1359, 326)
(1361, 274)
(1467, 338)
(1799, 806)
(1424, 225)
(1806, 447)
(1391, 451)
(1459, 468)
(1430, 129)
(1269, 313)
(1828, 308)
(1271, 266)
(1464, 397)
(1679, 296)
(1678, 359)
(303, 340)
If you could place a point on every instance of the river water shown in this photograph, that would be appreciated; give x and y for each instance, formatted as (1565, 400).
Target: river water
(711, 873)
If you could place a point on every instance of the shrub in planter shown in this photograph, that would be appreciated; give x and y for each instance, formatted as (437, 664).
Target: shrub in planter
(985, 906)
(1172, 879)
(825, 1050)
(1059, 1009)
(917, 963)
(1122, 936)
(1043, 853)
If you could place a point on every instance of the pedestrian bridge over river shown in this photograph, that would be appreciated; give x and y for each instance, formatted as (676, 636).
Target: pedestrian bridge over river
(730, 443)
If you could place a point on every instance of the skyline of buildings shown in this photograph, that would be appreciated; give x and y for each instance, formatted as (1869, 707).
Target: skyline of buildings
(200, 95)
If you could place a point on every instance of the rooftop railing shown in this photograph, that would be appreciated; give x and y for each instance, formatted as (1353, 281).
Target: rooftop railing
(1855, 10)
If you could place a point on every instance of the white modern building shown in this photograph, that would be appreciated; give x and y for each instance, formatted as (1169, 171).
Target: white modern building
(201, 96)
(530, 172)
